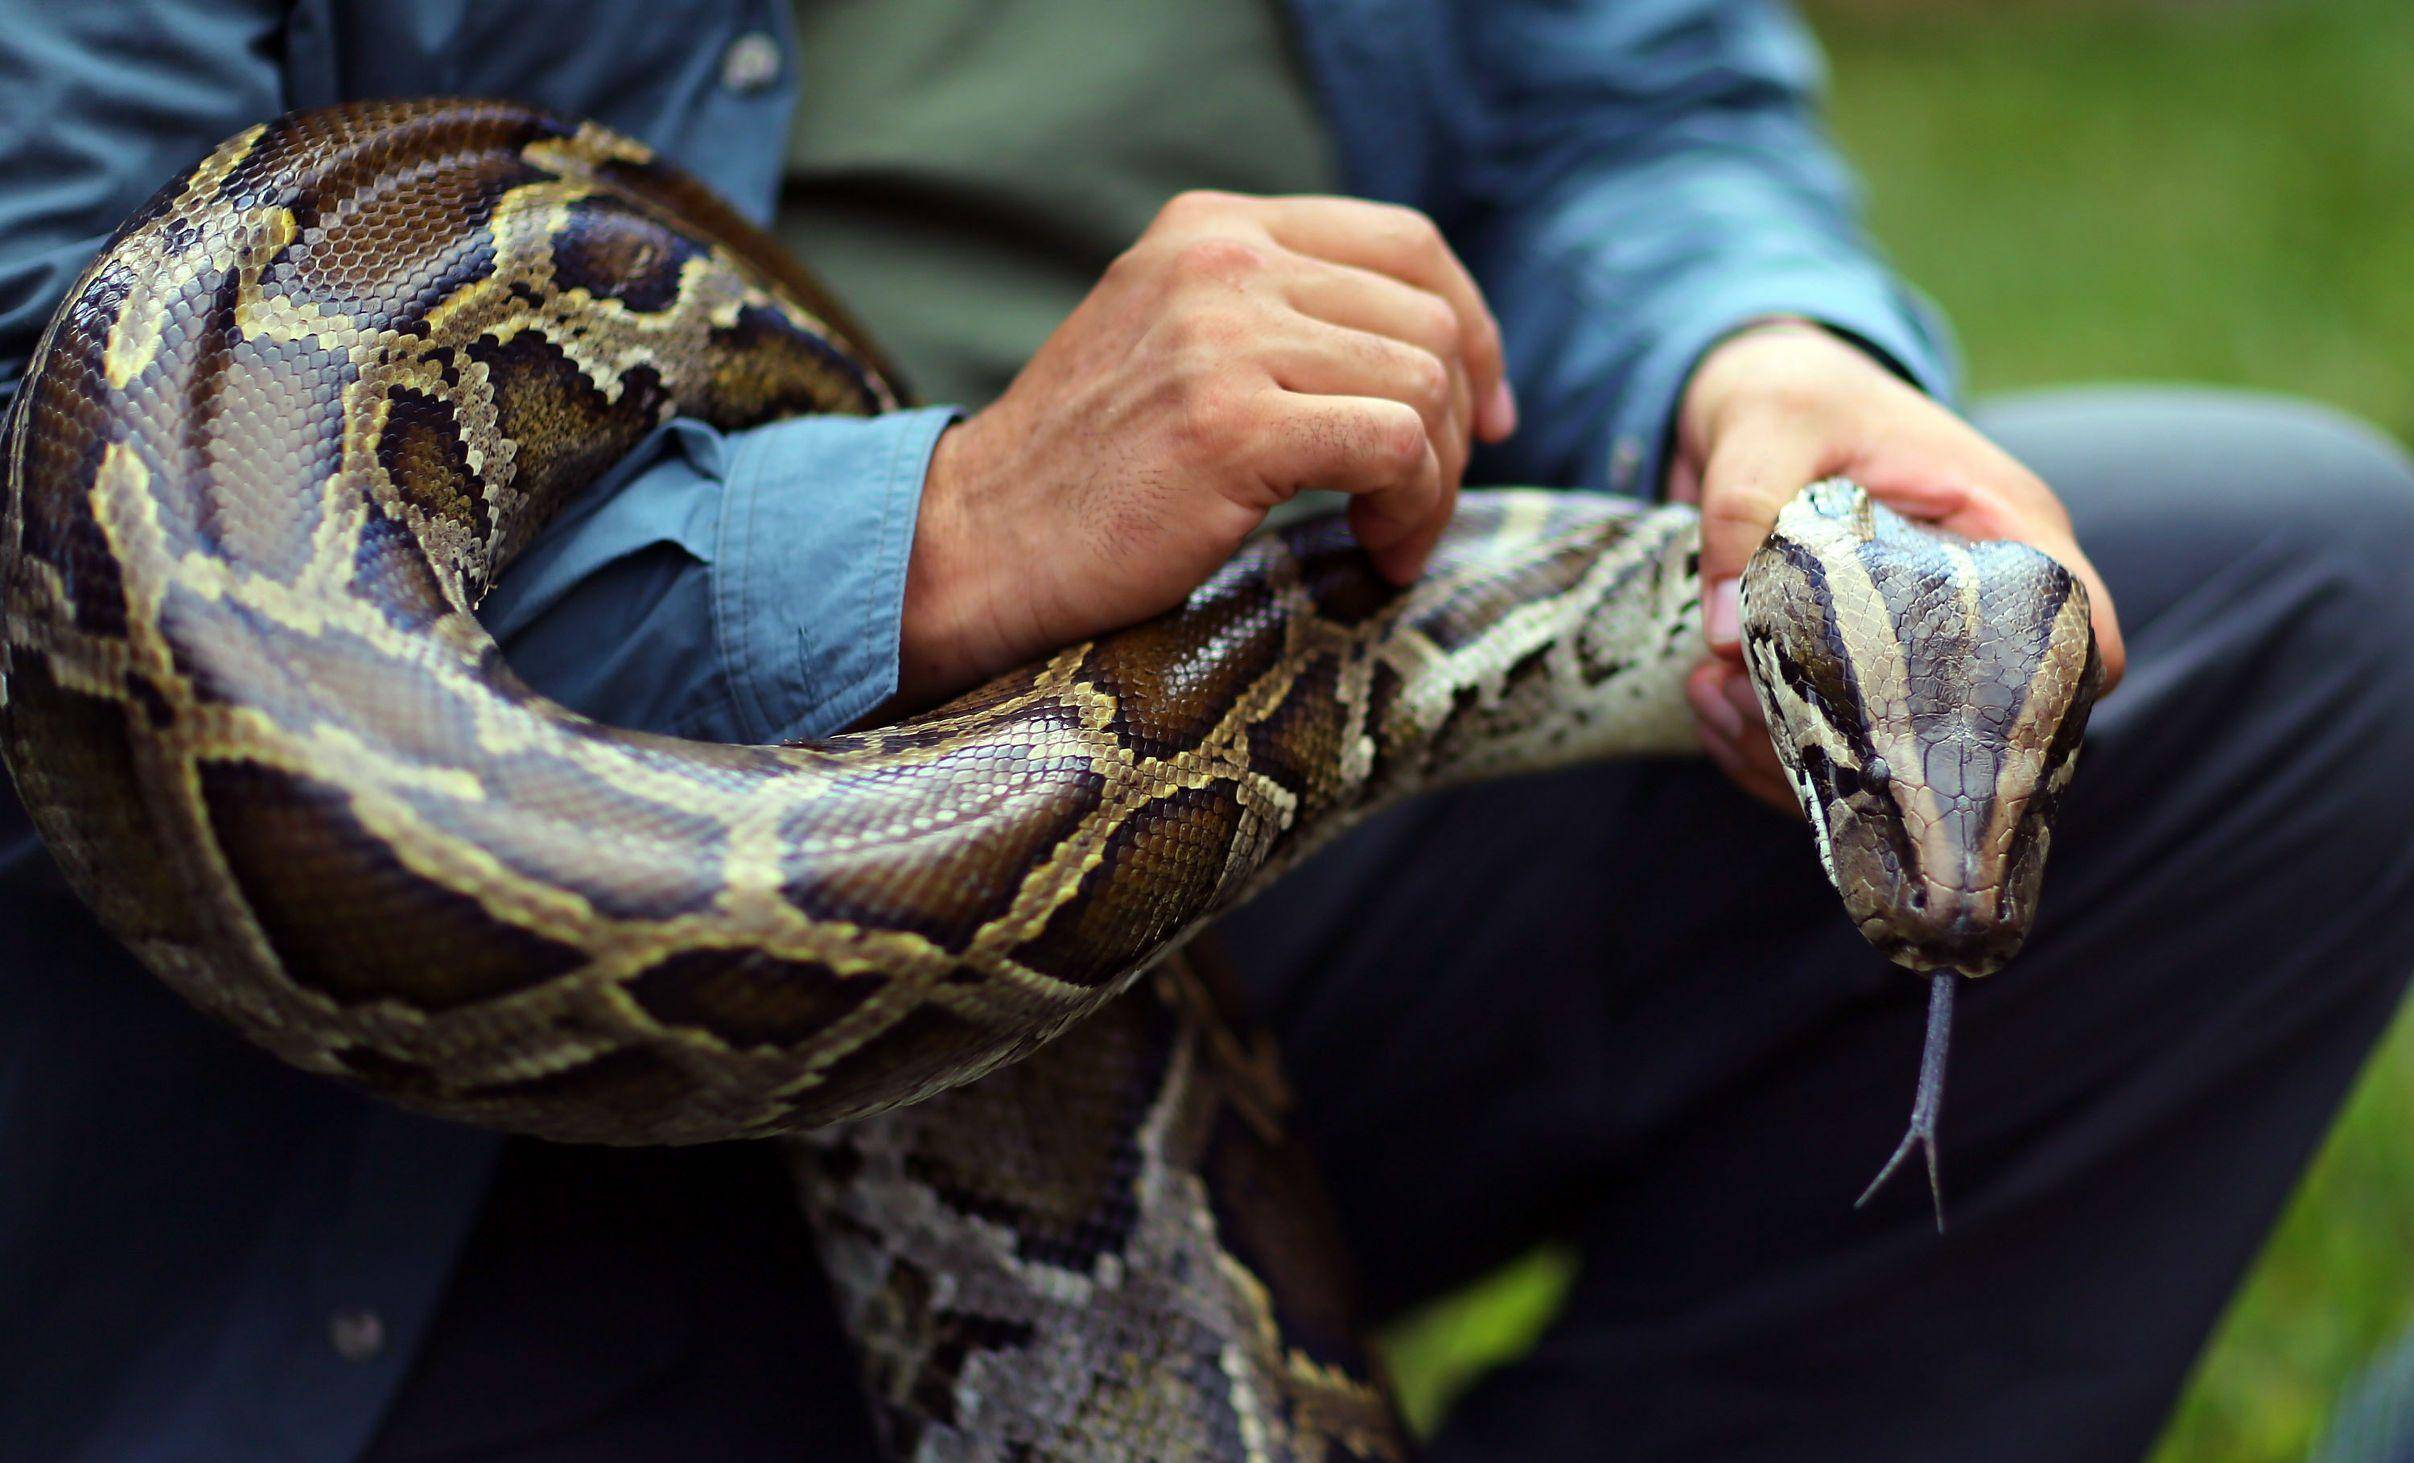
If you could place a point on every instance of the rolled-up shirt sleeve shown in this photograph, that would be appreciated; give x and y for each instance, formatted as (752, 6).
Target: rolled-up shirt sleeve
(738, 587)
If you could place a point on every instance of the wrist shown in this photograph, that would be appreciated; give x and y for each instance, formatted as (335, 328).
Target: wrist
(1779, 353)
(951, 634)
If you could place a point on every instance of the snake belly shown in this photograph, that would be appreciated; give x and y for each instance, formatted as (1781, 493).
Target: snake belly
(291, 425)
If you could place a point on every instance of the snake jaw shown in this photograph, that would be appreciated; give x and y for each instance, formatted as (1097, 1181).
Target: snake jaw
(1971, 936)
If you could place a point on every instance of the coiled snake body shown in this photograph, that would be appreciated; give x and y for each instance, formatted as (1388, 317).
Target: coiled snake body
(309, 402)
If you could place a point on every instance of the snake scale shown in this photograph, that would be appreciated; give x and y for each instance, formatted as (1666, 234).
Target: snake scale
(310, 401)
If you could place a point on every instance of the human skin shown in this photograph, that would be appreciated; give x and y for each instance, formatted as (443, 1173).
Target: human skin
(1247, 349)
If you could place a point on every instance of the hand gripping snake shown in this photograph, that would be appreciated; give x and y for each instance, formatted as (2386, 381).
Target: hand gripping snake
(310, 401)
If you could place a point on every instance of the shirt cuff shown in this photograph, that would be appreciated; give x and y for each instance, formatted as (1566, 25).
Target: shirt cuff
(816, 527)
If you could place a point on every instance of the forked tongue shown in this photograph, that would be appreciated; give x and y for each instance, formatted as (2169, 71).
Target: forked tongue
(1929, 1100)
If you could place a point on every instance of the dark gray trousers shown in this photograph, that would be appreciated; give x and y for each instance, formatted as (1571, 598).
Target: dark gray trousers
(1622, 1006)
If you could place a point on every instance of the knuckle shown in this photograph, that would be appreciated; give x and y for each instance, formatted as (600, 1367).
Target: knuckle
(1219, 257)
(1396, 437)
(1407, 226)
(1437, 323)
(1486, 347)
(1793, 398)
(1430, 385)
(1209, 422)
(1146, 266)
(1738, 513)
(1194, 203)
(1129, 262)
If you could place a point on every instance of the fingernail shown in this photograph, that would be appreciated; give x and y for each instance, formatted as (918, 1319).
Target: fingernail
(1722, 613)
(1713, 708)
(1500, 413)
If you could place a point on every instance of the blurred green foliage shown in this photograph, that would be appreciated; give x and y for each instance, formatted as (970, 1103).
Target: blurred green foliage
(2189, 189)
(2203, 190)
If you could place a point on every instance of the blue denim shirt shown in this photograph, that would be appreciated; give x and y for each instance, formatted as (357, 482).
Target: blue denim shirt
(204, 1255)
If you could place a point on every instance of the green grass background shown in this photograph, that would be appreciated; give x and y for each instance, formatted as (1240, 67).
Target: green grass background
(2204, 190)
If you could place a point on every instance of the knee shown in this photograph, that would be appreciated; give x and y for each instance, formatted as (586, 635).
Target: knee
(2336, 522)
(2335, 567)
(2253, 542)
(2344, 497)
(2270, 545)
(2179, 490)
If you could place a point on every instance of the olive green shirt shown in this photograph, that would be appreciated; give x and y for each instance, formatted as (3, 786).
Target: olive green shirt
(962, 173)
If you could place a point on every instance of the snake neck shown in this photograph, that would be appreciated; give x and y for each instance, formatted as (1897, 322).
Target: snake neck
(1552, 628)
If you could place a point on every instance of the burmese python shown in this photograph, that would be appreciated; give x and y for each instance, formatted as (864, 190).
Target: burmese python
(308, 403)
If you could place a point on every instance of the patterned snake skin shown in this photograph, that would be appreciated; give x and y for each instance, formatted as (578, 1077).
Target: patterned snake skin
(309, 402)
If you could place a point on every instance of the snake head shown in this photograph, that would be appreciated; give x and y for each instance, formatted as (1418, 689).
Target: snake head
(1927, 694)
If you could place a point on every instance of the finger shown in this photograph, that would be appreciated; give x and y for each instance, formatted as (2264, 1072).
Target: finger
(1723, 755)
(1735, 742)
(1405, 245)
(1398, 526)
(1722, 696)
(1362, 300)
(1330, 360)
(1684, 478)
(1754, 742)
(1749, 476)
(1375, 449)
(1707, 697)
(1400, 539)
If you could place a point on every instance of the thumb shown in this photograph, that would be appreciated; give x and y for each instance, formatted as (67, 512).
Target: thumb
(1744, 483)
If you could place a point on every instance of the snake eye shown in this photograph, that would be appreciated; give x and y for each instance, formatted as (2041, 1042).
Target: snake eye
(1877, 776)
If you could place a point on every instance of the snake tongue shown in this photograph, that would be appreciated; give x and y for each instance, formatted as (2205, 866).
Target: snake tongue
(1929, 1103)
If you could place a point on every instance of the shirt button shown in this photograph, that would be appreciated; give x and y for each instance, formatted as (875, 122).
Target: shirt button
(356, 1335)
(751, 63)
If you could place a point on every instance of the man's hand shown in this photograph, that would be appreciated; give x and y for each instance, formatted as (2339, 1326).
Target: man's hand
(1243, 350)
(1786, 403)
